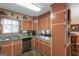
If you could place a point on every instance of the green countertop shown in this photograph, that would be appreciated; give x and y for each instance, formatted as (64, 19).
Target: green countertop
(14, 37)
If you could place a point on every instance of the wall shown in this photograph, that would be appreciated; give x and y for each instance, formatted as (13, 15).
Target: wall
(75, 16)
(74, 13)
(14, 15)
(75, 20)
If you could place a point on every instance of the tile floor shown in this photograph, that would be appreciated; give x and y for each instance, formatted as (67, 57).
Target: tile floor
(31, 53)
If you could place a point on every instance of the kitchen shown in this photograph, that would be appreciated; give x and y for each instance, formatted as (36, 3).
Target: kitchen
(40, 29)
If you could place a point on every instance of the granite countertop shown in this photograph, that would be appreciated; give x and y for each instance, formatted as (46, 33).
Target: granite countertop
(45, 40)
(20, 38)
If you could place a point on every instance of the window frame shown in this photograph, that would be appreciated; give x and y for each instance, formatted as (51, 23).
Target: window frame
(10, 25)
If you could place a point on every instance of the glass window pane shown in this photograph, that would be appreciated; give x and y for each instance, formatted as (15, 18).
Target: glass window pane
(15, 28)
(15, 22)
(10, 26)
(6, 21)
(6, 29)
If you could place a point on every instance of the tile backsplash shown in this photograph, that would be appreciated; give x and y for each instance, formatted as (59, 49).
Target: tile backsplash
(13, 36)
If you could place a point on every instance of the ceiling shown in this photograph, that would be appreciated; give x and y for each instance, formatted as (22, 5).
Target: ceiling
(17, 8)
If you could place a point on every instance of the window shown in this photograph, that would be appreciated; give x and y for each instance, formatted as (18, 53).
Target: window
(15, 26)
(10, 26)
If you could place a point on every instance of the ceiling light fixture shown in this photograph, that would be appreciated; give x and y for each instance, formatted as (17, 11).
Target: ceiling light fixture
(30, 6)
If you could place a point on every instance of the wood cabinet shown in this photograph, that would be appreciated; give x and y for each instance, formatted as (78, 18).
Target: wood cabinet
(25, 25)
(30, 25)
(47, 49)
(35, 25)
(43, 47)
(33, 43)
(58, 42)
(44, 24)
(59, 17)
(68, 50)
(44, 21)
(17, 47)
(58, 7)
(36, 43)
(39, 24)
(6, 48)
(40, 45)
(10, 48)
(59, 28)
(47, 23)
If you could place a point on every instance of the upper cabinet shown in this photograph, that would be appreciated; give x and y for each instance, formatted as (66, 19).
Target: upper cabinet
(59, 17)
(44, 21)
(26, 25)
(58, 7)
(60, 13)
(35, 25)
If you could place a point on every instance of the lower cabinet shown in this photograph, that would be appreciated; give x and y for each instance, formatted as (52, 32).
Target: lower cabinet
(13, 48)
(6, 49)
(47, 50)
(17, 48)
(40, 45)
(33, 43)
(43, 47)
(10, 48)
(36, 43)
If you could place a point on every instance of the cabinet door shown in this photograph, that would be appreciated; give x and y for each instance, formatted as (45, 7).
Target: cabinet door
(58, 41)
(6, 50)
(33, 43)
(40, 45)
(35, 25)
(29, 24)
(24, 25)
(58, 7)
(47, 50)
(39, 24)
(68, 50)
(47, 23)
(36, 44)
(17, 49)
(59, 17)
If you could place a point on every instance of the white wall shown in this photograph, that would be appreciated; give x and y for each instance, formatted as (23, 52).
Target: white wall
(74, 13)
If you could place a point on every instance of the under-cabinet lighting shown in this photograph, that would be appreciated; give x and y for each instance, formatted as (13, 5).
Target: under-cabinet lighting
(30, 6)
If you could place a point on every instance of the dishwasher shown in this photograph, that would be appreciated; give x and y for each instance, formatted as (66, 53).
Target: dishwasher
(26, 44)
